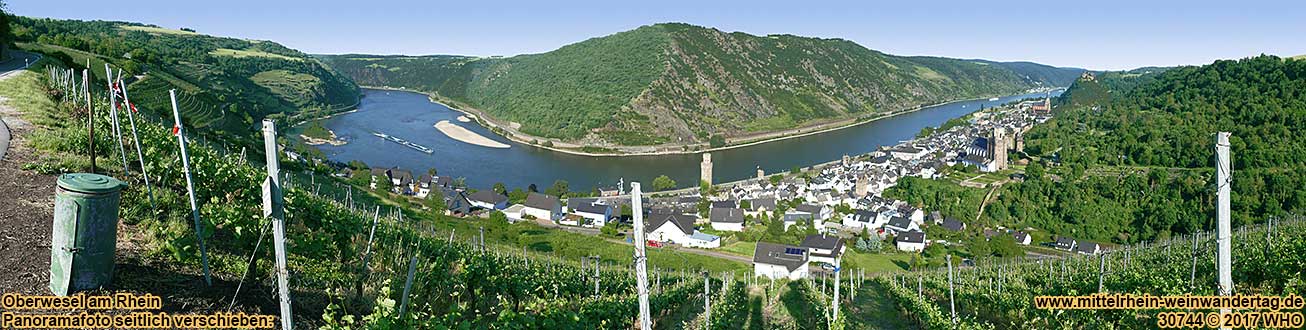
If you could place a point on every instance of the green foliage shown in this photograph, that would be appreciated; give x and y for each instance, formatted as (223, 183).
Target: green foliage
(315, 130)
(498, 217)
(221, 95)
(716, 141)
(559, 188)
(663, 182)
(716, 84)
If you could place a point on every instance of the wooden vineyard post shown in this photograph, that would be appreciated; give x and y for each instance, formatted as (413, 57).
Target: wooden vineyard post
(836, 295)
(367, 252)
(641, 278)
(90, 120)
(190, 185)
(408, 285)
(273, 208)
(1101, 271)
(1224, 179)
(113, 116)
(1192, 274)
(952, 306)
(596, 276)
(707, 305)
(140, 156)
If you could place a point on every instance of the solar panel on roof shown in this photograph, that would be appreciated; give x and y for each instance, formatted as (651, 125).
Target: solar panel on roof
(794, 251)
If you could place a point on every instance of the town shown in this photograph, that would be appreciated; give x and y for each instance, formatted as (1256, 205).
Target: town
(830, 206)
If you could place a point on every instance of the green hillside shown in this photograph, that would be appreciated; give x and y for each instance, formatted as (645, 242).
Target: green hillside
(224, 85)
(1131, 157)
(679, 83)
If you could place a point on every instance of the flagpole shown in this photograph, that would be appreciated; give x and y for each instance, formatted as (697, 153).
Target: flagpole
(190, 186)
(140, 156)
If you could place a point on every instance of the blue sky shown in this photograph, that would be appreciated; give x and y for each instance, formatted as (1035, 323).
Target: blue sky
(1095, 34)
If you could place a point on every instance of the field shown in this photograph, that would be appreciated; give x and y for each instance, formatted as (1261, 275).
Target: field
(238, 53)
(159, 30)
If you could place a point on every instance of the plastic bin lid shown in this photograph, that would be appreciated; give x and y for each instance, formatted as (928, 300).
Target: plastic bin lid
(90, 183)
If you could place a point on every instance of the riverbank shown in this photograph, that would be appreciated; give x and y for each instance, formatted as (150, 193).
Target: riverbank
(677, 149)
(462, 134)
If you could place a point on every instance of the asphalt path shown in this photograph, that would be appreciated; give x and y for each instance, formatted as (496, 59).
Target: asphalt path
(19, 61)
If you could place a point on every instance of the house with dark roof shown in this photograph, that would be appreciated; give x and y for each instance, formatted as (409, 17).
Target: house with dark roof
(542, 206)
(1021, 237)
(824, 248)
(727, 219)
(911, 241)
(1064, 244)
(488, 199)
(779, 261)
(725, 204)
(455, 201)
(597, 213)
(953, 224)
(1087, 247)
(679, 229)
(670, 227)
(761, 204)
(899, 224)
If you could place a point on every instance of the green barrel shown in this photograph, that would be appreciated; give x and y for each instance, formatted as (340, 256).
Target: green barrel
(85, 234)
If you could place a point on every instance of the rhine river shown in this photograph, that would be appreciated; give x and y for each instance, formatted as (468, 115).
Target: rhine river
(411, 116)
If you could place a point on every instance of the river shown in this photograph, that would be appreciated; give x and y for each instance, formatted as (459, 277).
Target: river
(412, 116)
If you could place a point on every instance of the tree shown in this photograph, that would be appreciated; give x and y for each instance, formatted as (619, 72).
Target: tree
(794, 170)
(746, 204)
(435, 201)
(775, 179)
(500, 188)
(517, 196)
(663, 182)
(6, 35)
(498, 217)
(384, 184)
(532, 188)
(431, 171)
(1034, 171)
(716, 141)
(361, 177)
(612, 228)
(558, 188)
(705, 188)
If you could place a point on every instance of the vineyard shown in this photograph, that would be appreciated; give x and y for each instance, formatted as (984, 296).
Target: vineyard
(1268, 259)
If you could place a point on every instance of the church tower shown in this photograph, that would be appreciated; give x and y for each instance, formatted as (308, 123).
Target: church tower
(706, 168)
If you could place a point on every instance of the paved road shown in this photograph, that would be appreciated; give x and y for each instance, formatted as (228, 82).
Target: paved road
(8, 68)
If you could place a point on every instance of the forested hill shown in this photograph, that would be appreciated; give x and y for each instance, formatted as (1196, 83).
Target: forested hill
(679, 83)
(1137, 151)
(225, 85)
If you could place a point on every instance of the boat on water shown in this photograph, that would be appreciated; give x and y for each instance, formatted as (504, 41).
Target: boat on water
(406, 143)
(991, 99)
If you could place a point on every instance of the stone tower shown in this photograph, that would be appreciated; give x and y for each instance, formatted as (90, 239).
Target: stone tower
(863, 186)
(760, 175)
(706, 168)
(998, 148)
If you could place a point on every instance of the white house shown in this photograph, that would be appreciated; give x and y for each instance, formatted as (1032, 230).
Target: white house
(898, 225)
(912, 241)
(598, 214)
(673, 228)
(702, 240)
(514, 213)
(824, 248)
(1086, 247)
(542, 206)
(779, 261)
(487, 199)
(727, 219)
(908, 152)
(861, 219)
(1022, 238)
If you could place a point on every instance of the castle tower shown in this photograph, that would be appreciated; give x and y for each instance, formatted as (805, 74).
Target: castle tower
(998, 149)
(706, 168)
(862, 187)
(760, 175)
